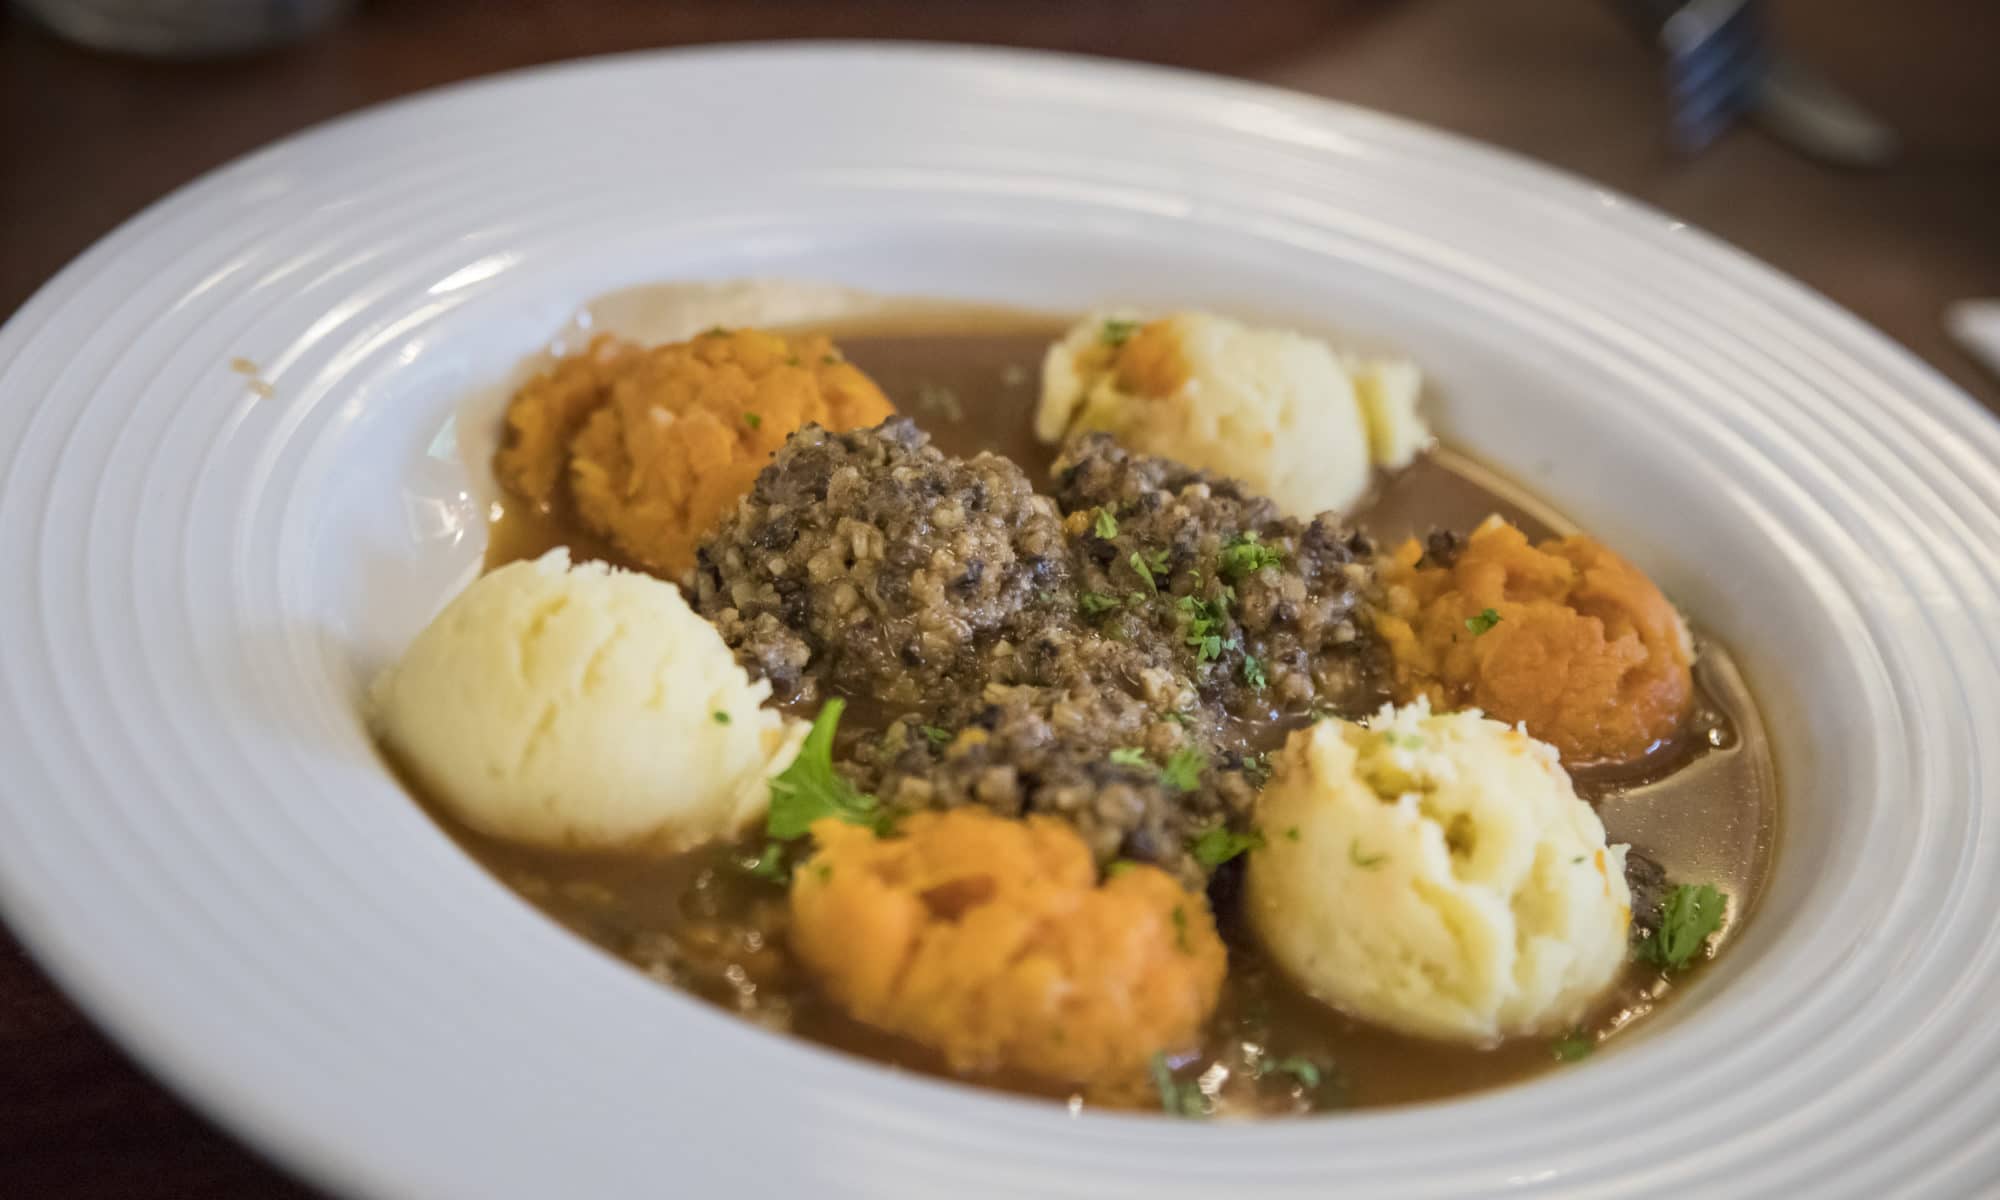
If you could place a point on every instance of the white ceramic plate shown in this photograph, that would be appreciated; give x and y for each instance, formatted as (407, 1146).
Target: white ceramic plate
(197, 579)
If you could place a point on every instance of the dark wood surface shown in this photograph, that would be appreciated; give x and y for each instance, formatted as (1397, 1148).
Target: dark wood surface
(87, 140)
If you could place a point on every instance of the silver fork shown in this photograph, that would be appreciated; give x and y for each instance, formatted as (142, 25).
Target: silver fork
(1722, 65)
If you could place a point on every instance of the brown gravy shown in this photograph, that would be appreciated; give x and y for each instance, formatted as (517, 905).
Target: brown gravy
(1703, 806)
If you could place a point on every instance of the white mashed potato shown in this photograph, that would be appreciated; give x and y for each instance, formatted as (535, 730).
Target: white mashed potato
(1277, 410)
(1437, 874)
(582, 707)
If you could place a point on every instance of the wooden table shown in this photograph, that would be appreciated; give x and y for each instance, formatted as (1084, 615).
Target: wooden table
(86, 141)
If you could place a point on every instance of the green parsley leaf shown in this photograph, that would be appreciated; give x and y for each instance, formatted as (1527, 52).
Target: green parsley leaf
(716, 331)
(1257, 767)
(1183, 719)
(1218, 845)
(1151, 568)
(937, 734)
(1253, 672)
(1117, 332)
(1366, 862)
(1118, 866)
(827, 360)
(1203, 618)
(1407, 741)
(1573, 1046)
(1245, 554)
(1302, 1069)
(1690, 916)
(1106, 525)
(769, 865)
(1130, 756)
(1180, 929)
(753, 420)
(1486, 620)
(721, 718)
(792, 360)
(1177, 1099)
(810, 788)
(1183, 770)
(1292, 834)
(1096, 604)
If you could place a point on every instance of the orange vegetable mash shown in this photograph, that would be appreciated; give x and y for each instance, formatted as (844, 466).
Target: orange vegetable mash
(658, 443)
(992, 941)
(1566, 637)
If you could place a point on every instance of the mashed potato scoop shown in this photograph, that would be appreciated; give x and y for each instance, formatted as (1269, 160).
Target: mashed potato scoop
(583, 708)
(1277, 410)
(1438, 875)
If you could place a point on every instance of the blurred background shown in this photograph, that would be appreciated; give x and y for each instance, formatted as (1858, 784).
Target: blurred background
(1854, 144)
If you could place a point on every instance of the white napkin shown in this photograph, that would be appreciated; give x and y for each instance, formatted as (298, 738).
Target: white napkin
(1976, 325)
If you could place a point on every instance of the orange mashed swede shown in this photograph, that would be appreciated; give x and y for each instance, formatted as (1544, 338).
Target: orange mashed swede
(658, 443)
(992, 941)
(1566, 637)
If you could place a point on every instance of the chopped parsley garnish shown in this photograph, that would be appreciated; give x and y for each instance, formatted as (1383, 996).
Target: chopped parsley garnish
(716, 331)
(1181, 718)
(1117, 332)
(1486, 620)
(1204, 619)
(1405, 741)
(938, 735)
(1106, 525)
(769, 865)
(1180, 929)
(1292, 834)
(1366, 862)
(1118, 866)
(1253, 672)
(1096, 604)
(1692, 913)
(1304, 1070)
(753, 420)
(1177, 1099)
(827, 360)
(1573, 1046)
(792, 360)
(810, 789)
(1183, 770)
(1218, 845)
(1246, 555)
(1151, 567)
(721, 718)
(1257, 767)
